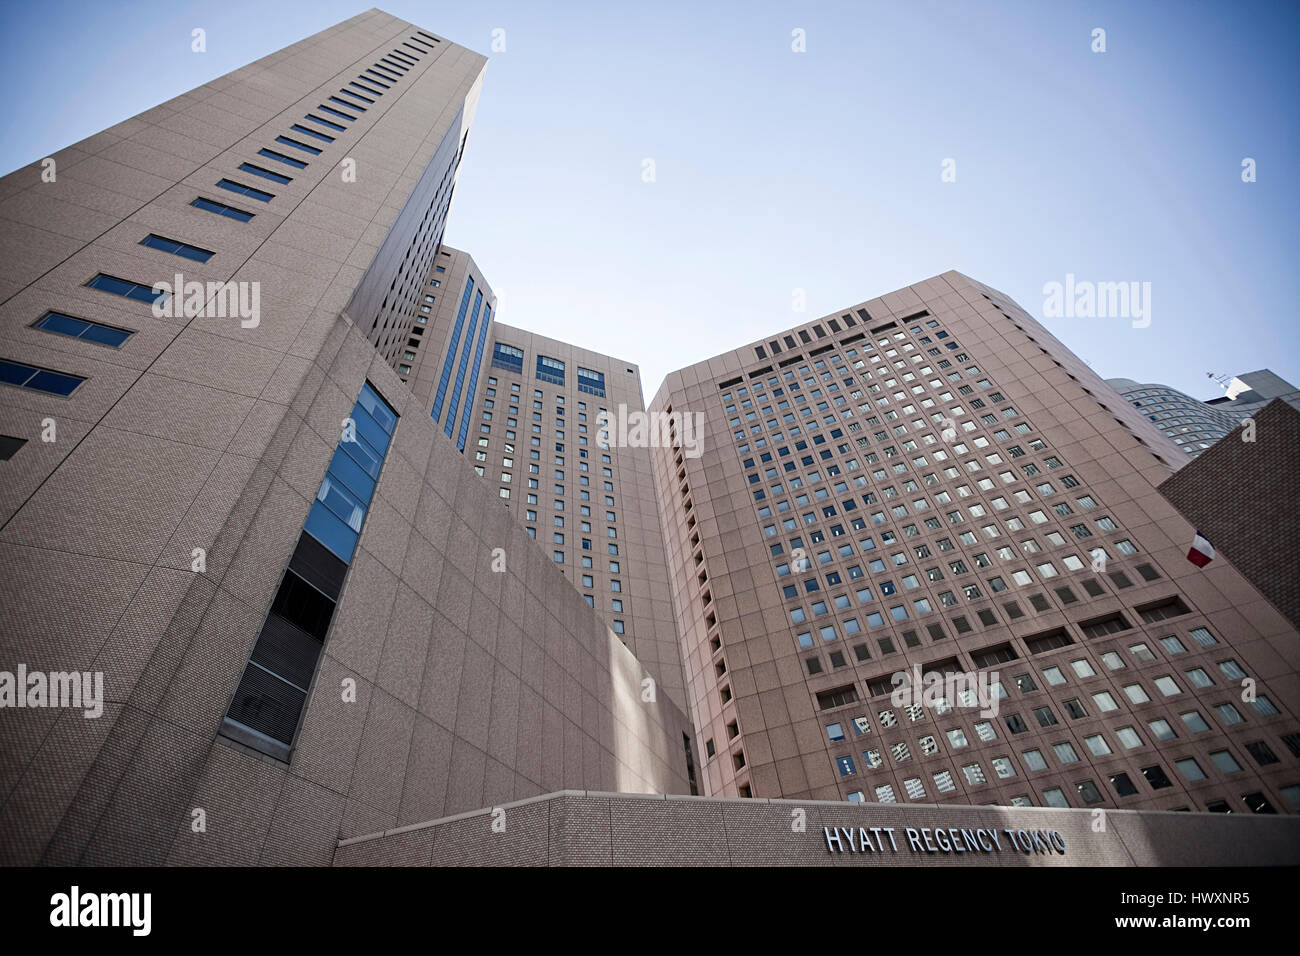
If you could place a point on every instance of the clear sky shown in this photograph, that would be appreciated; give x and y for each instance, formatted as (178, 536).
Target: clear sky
(819, 171)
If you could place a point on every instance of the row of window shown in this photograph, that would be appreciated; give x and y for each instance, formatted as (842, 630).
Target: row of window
(1086, 790)
(557, 504)
(55, 382)
(923, 605)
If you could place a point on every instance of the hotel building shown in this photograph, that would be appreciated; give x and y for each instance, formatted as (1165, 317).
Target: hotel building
(357, 572)
(932, 480)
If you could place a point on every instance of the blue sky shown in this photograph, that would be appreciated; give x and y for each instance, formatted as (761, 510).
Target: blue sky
(820, 171)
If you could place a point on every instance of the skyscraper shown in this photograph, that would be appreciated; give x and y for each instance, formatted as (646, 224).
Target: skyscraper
(1196, 425)
(248, 581)
(306, 558)
(525, 409)
(930, 480)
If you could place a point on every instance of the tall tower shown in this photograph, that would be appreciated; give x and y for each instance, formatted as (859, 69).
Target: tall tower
(525, 410)
(931, 480)
(220, 501)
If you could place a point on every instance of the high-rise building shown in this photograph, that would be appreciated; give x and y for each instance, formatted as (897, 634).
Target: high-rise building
(526, 411)
(536, 439)
(305, 558)
(445, 344)
(1196, 425)
(931, 483)
(244, 569)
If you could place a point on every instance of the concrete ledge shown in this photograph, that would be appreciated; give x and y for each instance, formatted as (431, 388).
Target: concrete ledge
(577, 827)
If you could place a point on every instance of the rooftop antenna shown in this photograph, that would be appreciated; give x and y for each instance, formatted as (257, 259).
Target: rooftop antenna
(1231, 385)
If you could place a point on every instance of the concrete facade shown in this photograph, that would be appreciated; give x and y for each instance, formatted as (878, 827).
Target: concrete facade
(446, 682)
(948, 470)
(607, 829)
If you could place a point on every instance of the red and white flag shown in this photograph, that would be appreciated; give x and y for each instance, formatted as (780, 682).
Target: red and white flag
(1201, 552)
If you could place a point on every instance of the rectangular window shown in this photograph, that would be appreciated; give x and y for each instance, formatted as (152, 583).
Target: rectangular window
(243, 190)
(286, 141)
(324, 122)
(177, 248)
(126, 288)
(75, 328)
(333, 112)
(281, 158)
(268, 704)
(38, 379)
(591, 382)
(349, 104)
(221, 209)
(299, 128)
(550, 370)
(265, 173)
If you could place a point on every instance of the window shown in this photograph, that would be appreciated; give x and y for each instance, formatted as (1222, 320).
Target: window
(1111, 624)
(272, 692)
(1104, 701)
(1123, 785)
(221, 209)
(1089, 792)
(1156, 777)
(1224, 760)
(324, 122)
(1097, 745)
(1162, 610)
(285, 140)
(1136, 693)
(241, 189)
(550, 370)
(1262, 753)
(177, 248)
(126, 289)
(265, 173)
(1229, 714)
(75, 328)
(1172, 645)
(1065, 753)
(1263, 706)
(38, 379)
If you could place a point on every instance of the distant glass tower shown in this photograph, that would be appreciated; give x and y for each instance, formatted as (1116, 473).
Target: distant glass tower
(1195, 425)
